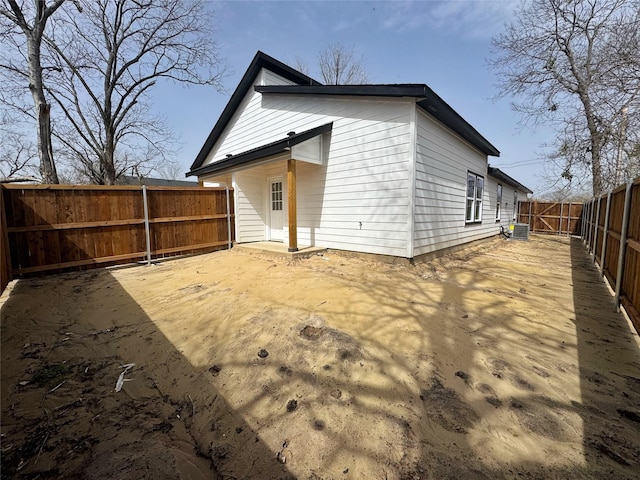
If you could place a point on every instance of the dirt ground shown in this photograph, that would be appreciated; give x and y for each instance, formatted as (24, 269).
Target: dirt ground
(504, 360)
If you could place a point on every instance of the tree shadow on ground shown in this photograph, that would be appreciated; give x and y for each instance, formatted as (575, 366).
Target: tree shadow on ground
(61, 415)
(438, 362)
(609, 369)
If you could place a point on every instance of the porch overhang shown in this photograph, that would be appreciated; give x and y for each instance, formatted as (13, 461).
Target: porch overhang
(264, 151)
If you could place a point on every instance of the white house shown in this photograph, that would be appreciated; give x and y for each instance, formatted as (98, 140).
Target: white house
(383, 169)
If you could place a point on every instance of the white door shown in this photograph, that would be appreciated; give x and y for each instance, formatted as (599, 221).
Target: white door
(275, 210)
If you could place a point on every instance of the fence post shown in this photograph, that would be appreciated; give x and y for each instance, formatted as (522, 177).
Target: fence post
(590, 236)
(623, 242)
(583, 230)
(560, 222)
(529, 221)
(595, 230)
(569, 219)
(605, 232)
(147, 233)
(228, 219)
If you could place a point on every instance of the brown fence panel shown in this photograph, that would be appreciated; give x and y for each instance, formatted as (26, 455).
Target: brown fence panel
(551, 217)
(620, 240)
(55, 228)
(616, 211)
(192, 217)
(601, 217)
(630, 288)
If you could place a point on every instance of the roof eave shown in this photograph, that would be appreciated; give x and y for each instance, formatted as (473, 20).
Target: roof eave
(381, 90)
(427, 99)
(500, 175)
(445, 114)
(262, 152)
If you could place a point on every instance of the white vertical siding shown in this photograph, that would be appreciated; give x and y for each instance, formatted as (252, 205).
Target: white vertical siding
(394, 182)
(359, 200)
(442, 162)
(491, 185)
(506, 212)
(250, 202)
(413, 154)
(310, 195)
(492, 202)
(245, 129)
(267, 77)
(363, 192)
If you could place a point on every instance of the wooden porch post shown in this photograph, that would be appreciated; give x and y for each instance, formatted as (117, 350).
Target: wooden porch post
(293, 214)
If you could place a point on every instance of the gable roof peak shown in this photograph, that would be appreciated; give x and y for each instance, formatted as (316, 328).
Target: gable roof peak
(260, 60)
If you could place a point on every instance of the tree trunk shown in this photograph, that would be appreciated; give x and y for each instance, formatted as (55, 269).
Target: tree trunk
(596, 167)
(45, 149)
(596, 154)
(596, 141)
(108, 166)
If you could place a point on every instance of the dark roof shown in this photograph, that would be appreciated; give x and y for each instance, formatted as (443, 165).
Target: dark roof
(261, 60)
(273, 148)
(500, 175)
(432, 104)
(374, 90)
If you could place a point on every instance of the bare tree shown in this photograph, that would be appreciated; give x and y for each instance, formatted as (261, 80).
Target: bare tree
(340, 66)
(108, 59)
(15, 156)
(302, 66)
(576, 64)
(30, 23)
(17, 152)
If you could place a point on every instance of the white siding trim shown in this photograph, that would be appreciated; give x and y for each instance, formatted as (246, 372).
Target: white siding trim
(235, 205)
(250, 207)
(413, 152)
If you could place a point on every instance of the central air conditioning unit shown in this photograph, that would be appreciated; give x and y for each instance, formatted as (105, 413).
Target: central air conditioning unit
(519, 231)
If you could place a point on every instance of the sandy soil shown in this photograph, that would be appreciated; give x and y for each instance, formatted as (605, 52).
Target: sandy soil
(505, 360)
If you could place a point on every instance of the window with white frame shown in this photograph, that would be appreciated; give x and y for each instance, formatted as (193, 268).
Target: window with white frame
(475, 189)
(515, 204)
(498, 202)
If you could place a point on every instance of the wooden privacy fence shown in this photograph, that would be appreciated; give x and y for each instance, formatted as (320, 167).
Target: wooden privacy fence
(611, 230)
(551, 217)
(56, 227)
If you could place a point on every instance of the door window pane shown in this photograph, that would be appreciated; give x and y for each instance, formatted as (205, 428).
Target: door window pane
(276, 196)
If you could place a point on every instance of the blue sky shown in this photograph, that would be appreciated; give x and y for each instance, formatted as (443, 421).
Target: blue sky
(443, 44)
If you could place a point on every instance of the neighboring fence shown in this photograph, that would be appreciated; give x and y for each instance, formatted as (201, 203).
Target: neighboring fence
(551, 217)
(611, 230)
(56, 227)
